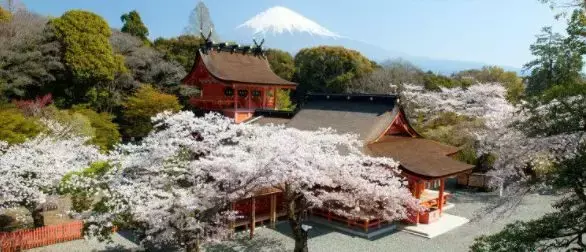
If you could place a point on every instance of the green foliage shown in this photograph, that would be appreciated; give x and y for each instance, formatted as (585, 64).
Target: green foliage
(329, 68)
(146, 64)
(106, 131)
(467, 154)
(95, 170)
(552, 232)
(559, 60)
(134, 26)
(453, 129)
(72, 123)
(450, 128)
(432, 81)
(144, 104)
(102, 98)
(30, 58)
(88, 54)
(15, 127)
(5, 15)
(281, 63)
(181, 49)
(387, 79)
(555, 75)
(489, 74)
(284, 100)
(375, 65)
(81, 200)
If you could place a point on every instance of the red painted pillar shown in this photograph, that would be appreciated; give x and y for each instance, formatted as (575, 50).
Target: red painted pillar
(248, 97)
(264, 97)
(417, 196)
(252, 216)
(440, 200)
(235, 99)
(274, 98)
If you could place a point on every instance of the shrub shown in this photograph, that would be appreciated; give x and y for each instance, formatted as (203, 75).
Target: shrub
(284, 100)
(81, 200)
(106, 132)
(144, 104)
(15, 127)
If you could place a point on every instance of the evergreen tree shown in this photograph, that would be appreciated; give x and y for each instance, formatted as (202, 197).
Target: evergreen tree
(134, 26)
(329, 68)
(557, 62)
(281, 63)
(181, 49)
(30, 58)
(88, 56)
(144, 104)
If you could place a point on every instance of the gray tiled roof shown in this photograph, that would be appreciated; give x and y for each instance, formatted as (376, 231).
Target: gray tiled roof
(366, 118)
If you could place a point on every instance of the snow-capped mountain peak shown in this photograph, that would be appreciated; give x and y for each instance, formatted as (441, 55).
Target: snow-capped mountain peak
(279, 19)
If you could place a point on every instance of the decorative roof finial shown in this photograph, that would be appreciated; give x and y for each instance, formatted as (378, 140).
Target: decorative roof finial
(258, 50)
(208, 43)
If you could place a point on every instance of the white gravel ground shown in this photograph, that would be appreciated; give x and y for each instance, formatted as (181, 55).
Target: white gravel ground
(468, 204)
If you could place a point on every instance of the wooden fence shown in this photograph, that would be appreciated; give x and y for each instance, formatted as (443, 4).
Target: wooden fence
(481, 180)
(38, 237)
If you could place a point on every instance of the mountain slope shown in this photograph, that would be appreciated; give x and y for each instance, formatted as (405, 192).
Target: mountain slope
(278, 20)
(288, 30)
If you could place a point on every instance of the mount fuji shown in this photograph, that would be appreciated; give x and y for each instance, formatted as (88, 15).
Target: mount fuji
(288, 30)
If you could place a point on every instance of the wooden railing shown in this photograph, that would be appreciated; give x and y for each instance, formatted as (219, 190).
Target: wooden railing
(361, 223)
(38, 237)
(222, 102)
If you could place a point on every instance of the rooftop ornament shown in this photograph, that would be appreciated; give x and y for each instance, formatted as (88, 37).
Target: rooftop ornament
(207, 40)
(257, 49)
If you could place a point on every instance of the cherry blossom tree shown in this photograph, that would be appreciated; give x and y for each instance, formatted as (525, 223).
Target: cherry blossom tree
(3, 146)
(550, 152)
(485, 100)
(520, 157)
(32, 170)
(322, 169)
(176, 185)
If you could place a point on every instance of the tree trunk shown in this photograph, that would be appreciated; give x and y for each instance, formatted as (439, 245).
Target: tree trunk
(193, 246)
(299, 235)
(37, 214)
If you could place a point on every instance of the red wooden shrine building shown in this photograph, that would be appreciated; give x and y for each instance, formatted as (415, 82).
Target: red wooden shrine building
(238, 82)
(385, 131)
(234, 80)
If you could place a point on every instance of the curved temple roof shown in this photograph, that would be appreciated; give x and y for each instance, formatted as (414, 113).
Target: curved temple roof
(421, 157)
(370, 116)
(240, 67)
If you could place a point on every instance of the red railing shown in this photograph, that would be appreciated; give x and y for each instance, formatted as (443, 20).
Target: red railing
(364, 224)
(223, 102)
(38, 237)
(262, 205)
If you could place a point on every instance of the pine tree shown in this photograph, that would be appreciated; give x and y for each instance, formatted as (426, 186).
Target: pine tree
(134, 26)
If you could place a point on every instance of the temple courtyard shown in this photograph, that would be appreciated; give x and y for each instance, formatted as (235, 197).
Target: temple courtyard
(475, 206)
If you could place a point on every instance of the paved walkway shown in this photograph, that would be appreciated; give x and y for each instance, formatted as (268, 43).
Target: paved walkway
(469, 205)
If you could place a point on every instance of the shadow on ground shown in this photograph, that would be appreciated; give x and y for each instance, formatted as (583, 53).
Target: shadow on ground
(245, 244)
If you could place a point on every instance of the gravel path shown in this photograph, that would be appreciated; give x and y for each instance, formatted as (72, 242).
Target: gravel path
(469, 205)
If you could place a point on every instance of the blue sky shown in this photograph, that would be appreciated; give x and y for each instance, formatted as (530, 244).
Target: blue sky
(491, 31)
